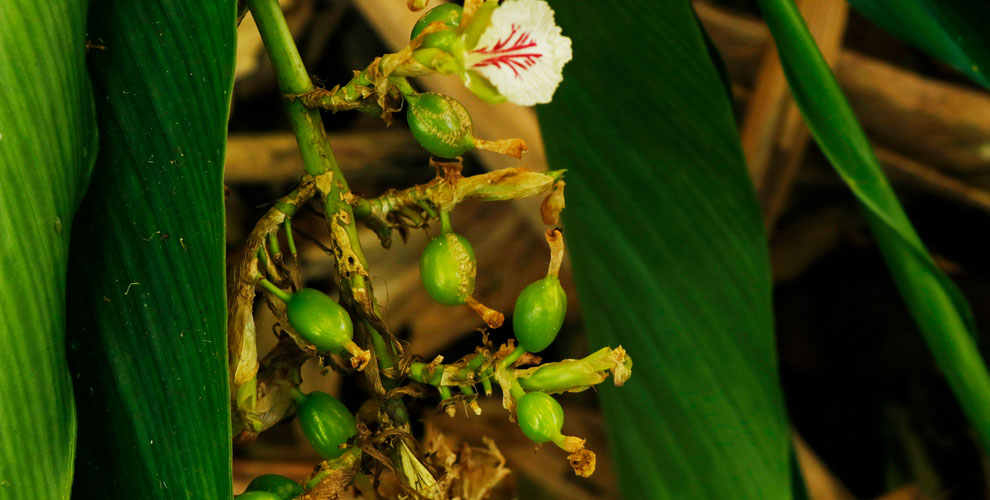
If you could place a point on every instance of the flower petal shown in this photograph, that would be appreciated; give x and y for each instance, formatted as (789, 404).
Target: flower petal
(522, 52)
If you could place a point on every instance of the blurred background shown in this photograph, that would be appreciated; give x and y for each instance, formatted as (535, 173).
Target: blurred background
(873, 416)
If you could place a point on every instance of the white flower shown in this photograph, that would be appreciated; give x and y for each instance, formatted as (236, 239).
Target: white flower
(522, 52)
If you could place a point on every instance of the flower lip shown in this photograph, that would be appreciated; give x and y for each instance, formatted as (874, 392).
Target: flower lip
(522, 52)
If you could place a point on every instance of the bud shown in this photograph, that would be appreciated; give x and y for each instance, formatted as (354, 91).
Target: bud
(576, 375)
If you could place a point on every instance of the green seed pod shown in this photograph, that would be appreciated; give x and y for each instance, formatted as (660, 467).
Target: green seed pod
(320, 320)
(448, 269)
(440, 124)
(283, 487)
(258, 495)
(449, 14)
(540, 417)
(326, 422)
(539, 313)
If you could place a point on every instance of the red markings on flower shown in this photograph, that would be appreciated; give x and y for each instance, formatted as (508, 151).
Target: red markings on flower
(510, 52)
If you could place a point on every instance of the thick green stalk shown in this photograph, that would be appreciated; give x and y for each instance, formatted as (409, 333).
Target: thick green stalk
(293, 79)
(319, 162)
(314, 146)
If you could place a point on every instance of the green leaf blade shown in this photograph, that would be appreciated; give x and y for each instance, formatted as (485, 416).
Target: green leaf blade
(147, 297)
(951, 30)
(939, 310)
(47, 148)
(669, 255)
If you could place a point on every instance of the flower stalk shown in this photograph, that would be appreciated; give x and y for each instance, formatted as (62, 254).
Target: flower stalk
(318, 159)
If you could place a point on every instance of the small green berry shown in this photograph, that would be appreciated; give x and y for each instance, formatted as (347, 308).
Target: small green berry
(326, 422)
(540, 417)
(449, 14)
(440, 124)
(320, 320)
(448, 269)
(285, 488)
(258, 495)
(539, 313)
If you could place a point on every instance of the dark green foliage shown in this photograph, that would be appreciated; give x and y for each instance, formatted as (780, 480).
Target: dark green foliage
(47, 148)
(669, 254)
(146, 294)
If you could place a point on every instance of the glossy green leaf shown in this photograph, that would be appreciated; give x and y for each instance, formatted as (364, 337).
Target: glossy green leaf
(669, 254)
(939, 310)
(47, 147)
(146, 292)
(954, 31)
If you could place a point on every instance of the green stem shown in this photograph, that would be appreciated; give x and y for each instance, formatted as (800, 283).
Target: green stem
(274, 290)
(385, 358)
(263, 256)
(419, 373)
(289, 67)
(348, 460)
(273, 244)
(516, 390)
(289, 239)
(298, 396)
(476, 362)
(512, 357)
(445, 222)
(314, 147)
(486, 383)
(293, 79)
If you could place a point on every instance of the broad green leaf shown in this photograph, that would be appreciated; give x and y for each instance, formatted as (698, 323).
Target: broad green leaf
(669, 254)
(47, 147)
(954, 31)
(146, 295)
(938, 308)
